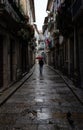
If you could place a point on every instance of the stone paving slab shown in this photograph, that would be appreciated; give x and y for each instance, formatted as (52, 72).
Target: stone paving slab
(7, 93)
(42, 103)
(4, 95)
(78, 92)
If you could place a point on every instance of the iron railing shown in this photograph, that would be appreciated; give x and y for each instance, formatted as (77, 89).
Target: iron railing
(7, 6)
(77, 7)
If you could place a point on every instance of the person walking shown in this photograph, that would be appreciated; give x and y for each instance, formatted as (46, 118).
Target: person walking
(41, 63)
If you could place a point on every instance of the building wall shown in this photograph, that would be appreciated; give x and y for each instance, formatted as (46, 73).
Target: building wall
(1, 61)
(80, 40)
(23, 5)
(29, 12)
(14, 52)
(8, 67)
(68, 56)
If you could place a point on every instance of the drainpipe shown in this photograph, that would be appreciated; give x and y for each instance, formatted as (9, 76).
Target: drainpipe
(69, 57)
(76, 57)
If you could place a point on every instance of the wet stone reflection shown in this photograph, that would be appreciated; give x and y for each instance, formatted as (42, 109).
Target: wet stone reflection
(42, 103)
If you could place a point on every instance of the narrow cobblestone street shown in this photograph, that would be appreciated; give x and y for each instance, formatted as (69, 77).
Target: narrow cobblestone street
(43, 102)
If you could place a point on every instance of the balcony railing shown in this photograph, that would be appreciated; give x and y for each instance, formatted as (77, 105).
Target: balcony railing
(1, 1)
(45, 27)
(8, 8)
(77, 8)
(50, 24)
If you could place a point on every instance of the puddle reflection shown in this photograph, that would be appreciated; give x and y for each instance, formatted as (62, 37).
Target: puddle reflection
(43, 116)
(39, 100)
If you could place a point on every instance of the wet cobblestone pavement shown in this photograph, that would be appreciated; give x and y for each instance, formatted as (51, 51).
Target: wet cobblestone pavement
(43, 102)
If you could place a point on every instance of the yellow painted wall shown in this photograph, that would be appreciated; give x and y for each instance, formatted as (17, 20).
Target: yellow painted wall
(23, 5)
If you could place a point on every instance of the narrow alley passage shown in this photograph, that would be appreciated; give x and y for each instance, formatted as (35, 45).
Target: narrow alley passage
(42, 103)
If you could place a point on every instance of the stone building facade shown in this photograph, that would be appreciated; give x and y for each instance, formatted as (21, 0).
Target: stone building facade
(66, 30)
(15, 40)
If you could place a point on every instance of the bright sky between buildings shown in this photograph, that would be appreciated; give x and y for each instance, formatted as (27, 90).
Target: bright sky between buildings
(40, 12)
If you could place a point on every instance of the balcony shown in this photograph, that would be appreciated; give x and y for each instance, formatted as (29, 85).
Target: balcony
(77, 9)
(50, 25)
(7, 10)
(44, 27)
